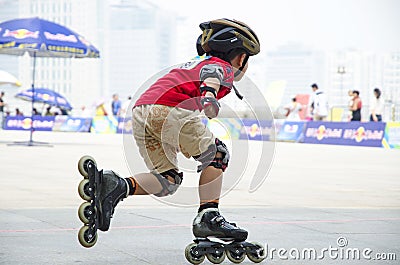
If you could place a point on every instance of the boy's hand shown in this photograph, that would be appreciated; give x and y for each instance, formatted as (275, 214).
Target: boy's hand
(210, 105)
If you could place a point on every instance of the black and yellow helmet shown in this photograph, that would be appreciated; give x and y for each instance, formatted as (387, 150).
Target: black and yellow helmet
(224, 35)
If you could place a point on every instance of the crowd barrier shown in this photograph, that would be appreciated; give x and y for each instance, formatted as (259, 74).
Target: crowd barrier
(374, 134)
(345, 133)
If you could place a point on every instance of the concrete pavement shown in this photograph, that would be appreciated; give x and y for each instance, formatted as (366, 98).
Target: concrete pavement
(313, 195)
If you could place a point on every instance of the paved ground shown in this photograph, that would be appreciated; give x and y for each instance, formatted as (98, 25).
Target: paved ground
(313, 195)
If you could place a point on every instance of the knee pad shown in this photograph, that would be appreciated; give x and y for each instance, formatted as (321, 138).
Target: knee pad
(168, 188)
(208, 158)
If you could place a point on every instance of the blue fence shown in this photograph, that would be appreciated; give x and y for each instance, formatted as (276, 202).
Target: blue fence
(374, 134)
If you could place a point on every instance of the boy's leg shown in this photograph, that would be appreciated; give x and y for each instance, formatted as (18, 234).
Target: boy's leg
(209, 222)
(210, 186)
(197, 141)
(160, 157)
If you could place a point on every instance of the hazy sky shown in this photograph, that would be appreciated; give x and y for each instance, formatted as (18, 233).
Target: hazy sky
(372, 25)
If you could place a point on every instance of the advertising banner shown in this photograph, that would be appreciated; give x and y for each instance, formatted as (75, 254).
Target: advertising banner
(291, 131)
(257, 130)
(104, 124)
(392, 135)
(24, 123)
(345, 133)
(225, 128)
(64, 123)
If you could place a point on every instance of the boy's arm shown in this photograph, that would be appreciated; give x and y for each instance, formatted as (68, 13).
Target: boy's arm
(209, 102)
(211, 77)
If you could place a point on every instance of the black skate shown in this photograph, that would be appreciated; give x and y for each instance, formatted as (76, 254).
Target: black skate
(216, 238)
(102, 191)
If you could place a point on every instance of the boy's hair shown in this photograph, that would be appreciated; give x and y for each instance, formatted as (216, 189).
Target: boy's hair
(225, 39)
(356, 92)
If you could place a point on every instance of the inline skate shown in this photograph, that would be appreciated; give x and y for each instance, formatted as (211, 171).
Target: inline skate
(216, 239)
(102, 190)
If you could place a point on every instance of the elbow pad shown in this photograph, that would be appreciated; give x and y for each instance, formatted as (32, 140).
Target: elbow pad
(213, 71)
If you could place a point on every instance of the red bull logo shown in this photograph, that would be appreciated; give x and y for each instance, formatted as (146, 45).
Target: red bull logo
(45, 97)
(360, 134)
(26, 123)
(322, 132)
(60, 37)
(254, 130)
(21, 34)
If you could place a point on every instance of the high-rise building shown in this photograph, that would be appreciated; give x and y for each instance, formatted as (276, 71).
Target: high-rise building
(353, 70)
(9, 63)
(296, 65)
(134, 38)
(139, 42)
(391, 78)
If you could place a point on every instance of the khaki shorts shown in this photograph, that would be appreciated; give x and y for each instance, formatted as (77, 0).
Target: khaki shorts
(161, 132)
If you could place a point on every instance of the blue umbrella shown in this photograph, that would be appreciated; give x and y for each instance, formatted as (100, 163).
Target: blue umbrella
(46, 96)
(42, 38)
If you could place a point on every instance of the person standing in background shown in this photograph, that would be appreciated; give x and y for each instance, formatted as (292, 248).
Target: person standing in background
(349, 104)
(18, 112)
(318, 104)
(115, 105)
(377, 106)
(2, 104)
(356, 107)
(293, 110)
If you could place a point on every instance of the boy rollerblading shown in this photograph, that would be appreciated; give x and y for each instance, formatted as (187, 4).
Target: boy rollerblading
(166, 120)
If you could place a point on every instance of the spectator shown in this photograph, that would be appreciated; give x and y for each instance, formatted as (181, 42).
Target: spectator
(63, 111)
(18, 112)
(55, 110)
(356, 107)
(115, 105)
(350, 103)
(48, 112)
(377, 106)
(35, 112)
(101, 110)
(293, 110)
(2, 104)
(318, 104)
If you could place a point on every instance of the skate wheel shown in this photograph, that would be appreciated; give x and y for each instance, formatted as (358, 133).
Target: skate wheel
(191, 256)
(236, 254)
(217, 257)
(259, 255)
(83, 190)
(86, 212)
(83, 163)
(87, 237)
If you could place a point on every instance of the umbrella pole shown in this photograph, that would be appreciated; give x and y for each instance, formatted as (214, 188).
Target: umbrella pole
(31, 142)
(33, 98)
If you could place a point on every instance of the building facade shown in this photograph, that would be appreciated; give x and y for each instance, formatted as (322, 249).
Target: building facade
(134, 38)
